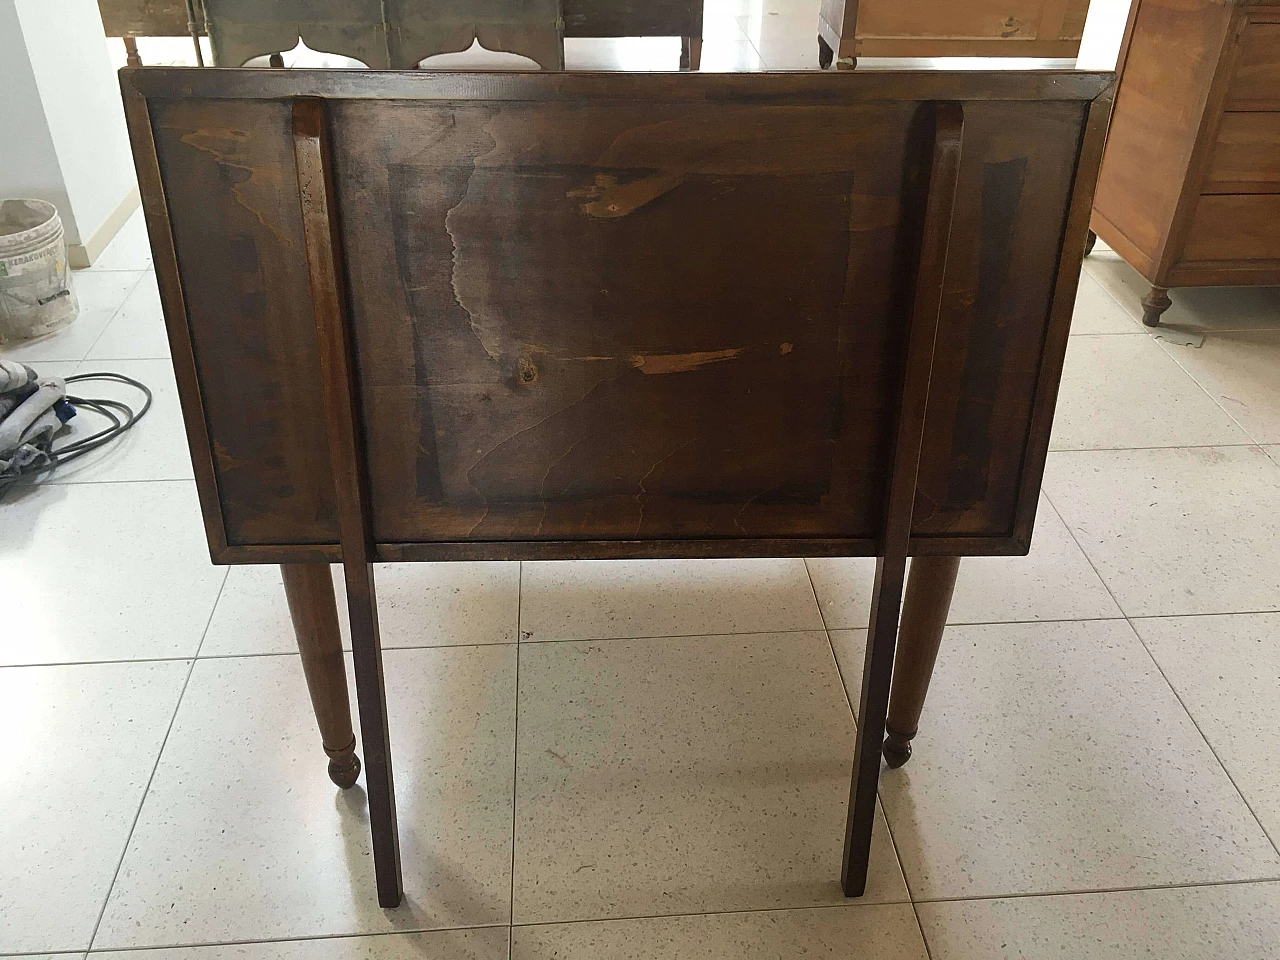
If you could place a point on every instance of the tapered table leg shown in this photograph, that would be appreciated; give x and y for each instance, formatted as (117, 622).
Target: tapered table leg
(924, 617)
(314, 611)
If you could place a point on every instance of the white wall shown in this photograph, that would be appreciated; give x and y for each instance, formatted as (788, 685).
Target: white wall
(63, 137)
(1103, 31)
(28, 162)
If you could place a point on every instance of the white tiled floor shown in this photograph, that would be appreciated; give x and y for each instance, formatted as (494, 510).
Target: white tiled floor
(659, 769)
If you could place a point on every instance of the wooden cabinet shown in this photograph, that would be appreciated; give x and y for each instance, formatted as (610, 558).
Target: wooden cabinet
(848, 29)
(1190, 188)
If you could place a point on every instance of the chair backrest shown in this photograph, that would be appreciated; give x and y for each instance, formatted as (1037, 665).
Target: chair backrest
(385, 34)
(614, 314)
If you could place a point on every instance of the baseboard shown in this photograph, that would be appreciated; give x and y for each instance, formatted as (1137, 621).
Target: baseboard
(81, 255)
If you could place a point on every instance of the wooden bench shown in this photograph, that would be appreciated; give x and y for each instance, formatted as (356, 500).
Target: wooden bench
(509, 316)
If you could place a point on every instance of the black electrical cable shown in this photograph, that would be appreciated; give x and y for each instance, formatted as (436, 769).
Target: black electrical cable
(125, 420)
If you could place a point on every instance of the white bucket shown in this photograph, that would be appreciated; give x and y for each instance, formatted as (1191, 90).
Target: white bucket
(35, 283)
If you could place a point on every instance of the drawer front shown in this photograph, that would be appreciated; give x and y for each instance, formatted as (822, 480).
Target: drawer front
(1241, 227)
(1246, 158)
(1256, 82)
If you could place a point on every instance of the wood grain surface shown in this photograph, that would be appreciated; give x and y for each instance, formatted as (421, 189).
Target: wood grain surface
(621, 309)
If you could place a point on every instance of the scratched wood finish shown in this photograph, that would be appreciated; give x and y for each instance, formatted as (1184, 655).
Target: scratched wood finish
(755, 367)
(662, 325)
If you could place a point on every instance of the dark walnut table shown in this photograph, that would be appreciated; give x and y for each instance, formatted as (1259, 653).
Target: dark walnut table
(420, 316)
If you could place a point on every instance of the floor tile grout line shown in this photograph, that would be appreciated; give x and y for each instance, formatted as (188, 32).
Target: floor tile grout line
(142, 801)
(1102, 891)
(305, 938)
(515, 758)
(1164, 345)
(693, 636)
(1168, 446)
(123, 359)
(848, 905)
(132, 290)
(1172, 689)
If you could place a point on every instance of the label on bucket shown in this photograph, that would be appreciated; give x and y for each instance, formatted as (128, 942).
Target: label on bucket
(30, 262)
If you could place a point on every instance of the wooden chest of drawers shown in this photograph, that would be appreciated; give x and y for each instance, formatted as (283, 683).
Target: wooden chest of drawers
(1190, 188)
(848, 29)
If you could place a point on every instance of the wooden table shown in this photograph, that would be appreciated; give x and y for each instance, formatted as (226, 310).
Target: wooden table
(421, 316)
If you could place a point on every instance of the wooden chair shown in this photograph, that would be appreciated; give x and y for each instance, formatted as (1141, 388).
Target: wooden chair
(401, 33)
(393, 35)
(523, 316)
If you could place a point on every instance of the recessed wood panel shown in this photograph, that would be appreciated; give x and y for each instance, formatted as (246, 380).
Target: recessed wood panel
(1246, 158)
(1256, 82)
(237, 228)
(1242, 227)
(682, 320)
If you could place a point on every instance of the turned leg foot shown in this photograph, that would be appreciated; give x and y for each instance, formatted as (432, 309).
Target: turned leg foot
(276, 61)
(825, 54)
(309, 589)
(924, 618)
(1154, 304)
(344, 768)
(897, 749)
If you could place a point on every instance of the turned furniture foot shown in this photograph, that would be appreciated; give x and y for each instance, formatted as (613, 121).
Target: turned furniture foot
(924, 617)
(309, 590)
(1154, 304)
(690, 53)
(131, 57)
(1090, 242)
(825, 54)
(276, 61)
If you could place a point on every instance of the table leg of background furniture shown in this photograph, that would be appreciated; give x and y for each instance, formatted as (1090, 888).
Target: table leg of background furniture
(313, 160)
(131, 57)
(924, 617)
(690, 53)
(309, 590)
(825, 53)
(891, 565)
(1154, 304)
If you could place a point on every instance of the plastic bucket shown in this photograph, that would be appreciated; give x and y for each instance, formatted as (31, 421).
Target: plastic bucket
(35, 282)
